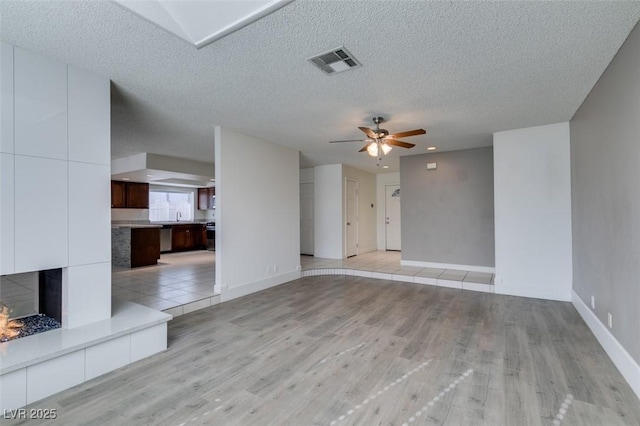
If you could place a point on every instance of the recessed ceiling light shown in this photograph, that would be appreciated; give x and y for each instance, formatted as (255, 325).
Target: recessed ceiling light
(431, 148)
(126, 179)
(212, 180)
(385, 167)
(149, 175)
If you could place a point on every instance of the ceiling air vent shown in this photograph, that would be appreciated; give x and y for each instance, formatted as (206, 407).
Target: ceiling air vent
(335, 61)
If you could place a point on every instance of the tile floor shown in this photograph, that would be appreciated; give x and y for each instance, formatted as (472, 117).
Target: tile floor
(386, 265)
(179, 283)
(183, 282)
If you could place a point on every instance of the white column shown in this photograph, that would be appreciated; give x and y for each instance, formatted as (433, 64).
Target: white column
(532, 196)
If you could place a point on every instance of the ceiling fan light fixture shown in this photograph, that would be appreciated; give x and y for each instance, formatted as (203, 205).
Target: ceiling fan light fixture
(372, 149)
(386, 148)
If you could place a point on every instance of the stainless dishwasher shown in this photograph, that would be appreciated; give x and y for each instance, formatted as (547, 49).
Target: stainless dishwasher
(165, 238)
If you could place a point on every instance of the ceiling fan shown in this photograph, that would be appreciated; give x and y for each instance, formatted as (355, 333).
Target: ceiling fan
(379, 141)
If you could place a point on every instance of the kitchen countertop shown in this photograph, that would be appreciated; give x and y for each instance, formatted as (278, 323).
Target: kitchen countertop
(153, 225)
(133, 225)
(179, 223)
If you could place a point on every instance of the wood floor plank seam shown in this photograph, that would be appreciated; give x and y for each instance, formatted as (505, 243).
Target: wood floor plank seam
(384, 389)
(425, 408)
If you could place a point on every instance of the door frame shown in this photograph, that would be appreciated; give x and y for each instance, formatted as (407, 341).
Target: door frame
(344, 220)
(385, 216)
(308, 182)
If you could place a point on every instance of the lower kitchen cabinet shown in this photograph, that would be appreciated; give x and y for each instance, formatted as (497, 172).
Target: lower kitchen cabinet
(186, 237)
(203, 237)
(132, 247)
(145, 246)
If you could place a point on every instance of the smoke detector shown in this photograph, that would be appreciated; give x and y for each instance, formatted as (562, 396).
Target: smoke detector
(335, 61)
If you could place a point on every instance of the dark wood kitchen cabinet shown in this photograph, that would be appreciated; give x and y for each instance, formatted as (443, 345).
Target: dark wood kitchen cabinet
(206, 198)
(203, 237)
(145, 246)
(186, 237)
(132, 195)
(137, 195)
(118, 194)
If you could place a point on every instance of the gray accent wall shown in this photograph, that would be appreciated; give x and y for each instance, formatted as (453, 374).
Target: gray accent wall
(605, 191)
(447, 213)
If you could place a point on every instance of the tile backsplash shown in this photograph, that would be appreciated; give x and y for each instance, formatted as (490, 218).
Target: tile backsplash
(129, 215)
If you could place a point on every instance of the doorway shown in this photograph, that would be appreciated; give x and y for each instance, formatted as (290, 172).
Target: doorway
(351, 225)
(392, 217)
(306, 218)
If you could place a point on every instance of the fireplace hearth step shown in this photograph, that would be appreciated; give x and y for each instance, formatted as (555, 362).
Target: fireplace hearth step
(32, 324)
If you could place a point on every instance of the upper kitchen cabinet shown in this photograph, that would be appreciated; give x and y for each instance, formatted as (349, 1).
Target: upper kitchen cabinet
(206, 198)
(137, 195)
(40, 102)
(6, 98)
(133, 195)
(89, 117)
(118, 195)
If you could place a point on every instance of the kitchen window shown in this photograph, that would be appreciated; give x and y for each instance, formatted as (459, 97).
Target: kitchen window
(170, 206)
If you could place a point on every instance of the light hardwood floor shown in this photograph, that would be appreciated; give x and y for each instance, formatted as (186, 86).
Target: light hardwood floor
(341, 350)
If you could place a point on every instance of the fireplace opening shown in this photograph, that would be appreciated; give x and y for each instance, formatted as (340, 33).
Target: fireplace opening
(30, 303)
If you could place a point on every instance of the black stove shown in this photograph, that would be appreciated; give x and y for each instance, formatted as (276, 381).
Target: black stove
(211, 235)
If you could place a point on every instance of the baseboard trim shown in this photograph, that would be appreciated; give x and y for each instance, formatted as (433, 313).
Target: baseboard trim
(546, 293)
(367, 250)
(627, 366)
(259, 285)
(474, 268)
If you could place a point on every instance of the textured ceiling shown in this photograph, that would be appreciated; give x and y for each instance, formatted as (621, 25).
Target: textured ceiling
(461, 70)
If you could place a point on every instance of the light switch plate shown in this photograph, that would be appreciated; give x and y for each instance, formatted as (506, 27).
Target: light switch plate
(431, 166)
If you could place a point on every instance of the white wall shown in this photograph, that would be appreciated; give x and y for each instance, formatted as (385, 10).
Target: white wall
(366, 208)
(328, 215)
(258, 214)
(306, 175)
(382, 180)
(532, 196)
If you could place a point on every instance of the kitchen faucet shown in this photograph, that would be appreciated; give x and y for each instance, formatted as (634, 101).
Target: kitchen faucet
(178, 216)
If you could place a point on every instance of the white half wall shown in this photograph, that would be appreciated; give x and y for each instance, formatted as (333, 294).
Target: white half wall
(382, 180)
(329, 237)
(257, 214)
(532, 190)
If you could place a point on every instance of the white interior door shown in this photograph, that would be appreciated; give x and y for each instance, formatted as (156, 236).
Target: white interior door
(306, 219)
(392, 217)
(352, 218)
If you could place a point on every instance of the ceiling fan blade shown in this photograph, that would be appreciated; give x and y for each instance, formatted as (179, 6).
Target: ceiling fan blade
(350, 140)
(368, 132)
(399, 143)
(408, 133)
(364, 148)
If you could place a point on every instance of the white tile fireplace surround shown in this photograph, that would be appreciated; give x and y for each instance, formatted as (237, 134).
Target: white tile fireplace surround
(55, 147)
